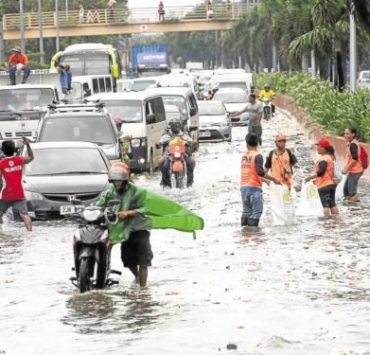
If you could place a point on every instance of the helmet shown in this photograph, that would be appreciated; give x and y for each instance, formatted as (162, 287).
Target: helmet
(175, 125)
(17, 49)
(119, 172)
(267, 85)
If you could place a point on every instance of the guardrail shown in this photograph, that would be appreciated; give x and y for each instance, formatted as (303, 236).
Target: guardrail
(32, 20)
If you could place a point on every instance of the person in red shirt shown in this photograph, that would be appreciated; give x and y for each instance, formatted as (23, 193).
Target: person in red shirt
(16, 62)
(12, 193)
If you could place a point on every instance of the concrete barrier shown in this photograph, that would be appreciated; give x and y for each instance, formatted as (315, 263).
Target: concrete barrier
(315, 132)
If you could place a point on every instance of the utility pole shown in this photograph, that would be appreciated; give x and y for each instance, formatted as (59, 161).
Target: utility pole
(313, 63)
(21, 14)
(1, 43)
(352, 48)
(274, 58)
(57, 44)
(41, 35)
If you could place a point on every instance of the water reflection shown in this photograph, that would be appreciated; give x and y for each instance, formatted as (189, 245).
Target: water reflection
(111, 311)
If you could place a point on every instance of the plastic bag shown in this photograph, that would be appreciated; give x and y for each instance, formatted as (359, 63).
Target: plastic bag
(339, 192)
(282, 205)
(310, 203)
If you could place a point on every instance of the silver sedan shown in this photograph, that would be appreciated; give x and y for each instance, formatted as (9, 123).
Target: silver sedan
(215, 125)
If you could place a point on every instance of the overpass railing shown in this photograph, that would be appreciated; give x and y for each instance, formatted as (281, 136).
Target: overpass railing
(32, 20)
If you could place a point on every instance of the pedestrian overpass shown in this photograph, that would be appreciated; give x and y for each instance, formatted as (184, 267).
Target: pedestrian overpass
(95, 22)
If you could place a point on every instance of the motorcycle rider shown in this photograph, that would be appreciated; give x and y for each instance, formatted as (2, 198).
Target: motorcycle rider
(174, 130)
(16, 62)
(136, 251)
(267, 93)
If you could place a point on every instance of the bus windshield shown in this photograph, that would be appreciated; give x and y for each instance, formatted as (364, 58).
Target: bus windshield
(88, 63)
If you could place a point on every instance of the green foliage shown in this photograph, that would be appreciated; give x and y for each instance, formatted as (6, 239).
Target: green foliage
(332, 109)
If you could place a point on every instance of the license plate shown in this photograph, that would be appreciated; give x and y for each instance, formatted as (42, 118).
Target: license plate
(71, 209)
(204, 134)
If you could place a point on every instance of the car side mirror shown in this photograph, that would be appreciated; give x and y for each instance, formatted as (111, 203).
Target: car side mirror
(193, 111)
(150, 119)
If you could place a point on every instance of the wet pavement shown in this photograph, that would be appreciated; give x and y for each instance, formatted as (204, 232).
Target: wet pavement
(300, 289)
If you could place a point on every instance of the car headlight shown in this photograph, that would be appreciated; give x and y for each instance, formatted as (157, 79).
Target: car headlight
(30, 195)
(91, 215)
(135, 143)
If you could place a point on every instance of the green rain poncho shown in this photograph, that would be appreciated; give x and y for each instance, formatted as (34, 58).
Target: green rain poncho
(156, 212)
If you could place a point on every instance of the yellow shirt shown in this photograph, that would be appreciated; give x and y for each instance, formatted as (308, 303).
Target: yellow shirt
(266, 94)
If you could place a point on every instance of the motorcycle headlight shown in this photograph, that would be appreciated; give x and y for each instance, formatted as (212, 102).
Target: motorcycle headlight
(30, 195)
(91, 215)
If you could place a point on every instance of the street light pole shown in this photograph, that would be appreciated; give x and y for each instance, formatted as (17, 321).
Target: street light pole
(352, 48)
(21, 13)
(57, 44)
(41, 35)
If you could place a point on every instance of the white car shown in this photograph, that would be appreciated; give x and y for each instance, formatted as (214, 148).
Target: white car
(364, 79)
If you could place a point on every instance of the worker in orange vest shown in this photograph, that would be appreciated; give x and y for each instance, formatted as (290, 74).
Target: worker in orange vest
(252, 176)
(353, 167)
(324, 177)
(281, 161)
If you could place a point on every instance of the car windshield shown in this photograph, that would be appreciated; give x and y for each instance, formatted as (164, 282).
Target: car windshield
(211, 109)
(57, 161)
(178, 101)
(366, 75)
(25, 99)
(232, 84)
(141, 85)
(129, 111)
(78, 128)
(231, 97)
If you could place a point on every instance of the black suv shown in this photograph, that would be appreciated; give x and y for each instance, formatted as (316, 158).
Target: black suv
(86, 123)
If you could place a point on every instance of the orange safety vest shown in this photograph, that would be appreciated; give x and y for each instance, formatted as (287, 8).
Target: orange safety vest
(328, 178)
(357, 168)
(281, 168)
(249, 174)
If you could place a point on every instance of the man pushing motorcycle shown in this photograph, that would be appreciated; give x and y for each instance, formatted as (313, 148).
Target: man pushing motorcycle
(139, 211)
(174, 131)
(136, 252)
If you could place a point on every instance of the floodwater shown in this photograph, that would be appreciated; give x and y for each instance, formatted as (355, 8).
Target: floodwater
(301, 289)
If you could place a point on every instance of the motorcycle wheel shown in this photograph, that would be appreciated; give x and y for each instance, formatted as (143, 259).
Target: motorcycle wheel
(179, 178)
(84, 279)
(101, 275)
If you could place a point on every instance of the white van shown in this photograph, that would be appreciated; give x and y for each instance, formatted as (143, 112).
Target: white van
(87, 85)
(143, 117)
(243, 81)
(186, 81)
(185, 100)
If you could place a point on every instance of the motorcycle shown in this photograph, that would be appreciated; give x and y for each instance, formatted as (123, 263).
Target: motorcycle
(91, 247)
(177, 151)
(267, 109)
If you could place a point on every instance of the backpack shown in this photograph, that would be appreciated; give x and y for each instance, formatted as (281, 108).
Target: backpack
(364, 158)
(289, 153)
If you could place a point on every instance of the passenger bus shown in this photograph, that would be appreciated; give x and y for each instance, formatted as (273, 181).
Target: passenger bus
(91, 59)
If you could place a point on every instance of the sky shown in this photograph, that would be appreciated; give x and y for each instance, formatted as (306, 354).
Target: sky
(154, 3)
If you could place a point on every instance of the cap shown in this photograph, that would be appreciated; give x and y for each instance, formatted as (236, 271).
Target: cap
(280, 137)
(323, 143)
(17, 49)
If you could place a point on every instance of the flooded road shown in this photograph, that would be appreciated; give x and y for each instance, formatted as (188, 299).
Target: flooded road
(302, 289)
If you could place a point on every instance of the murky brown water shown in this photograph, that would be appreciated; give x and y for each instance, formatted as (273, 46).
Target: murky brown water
(302, 289)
